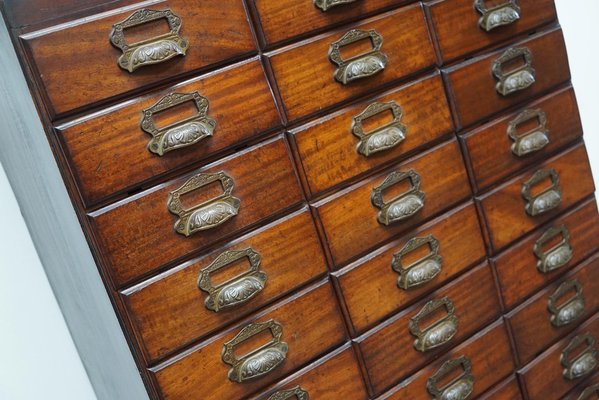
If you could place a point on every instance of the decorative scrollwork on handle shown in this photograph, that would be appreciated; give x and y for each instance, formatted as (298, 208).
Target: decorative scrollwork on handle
(571, 309)
(532, 141)
(440, 332)
(496, 16)
(402, 206)
(558, 255)
(421, 271)
(458, 388)
(151, 51)
(324, 5)
(260, 361)
(360, 66)
(209, 214)
(548, 199)
(517, 79)
(583, 364)
(297, 391)
(384, 137)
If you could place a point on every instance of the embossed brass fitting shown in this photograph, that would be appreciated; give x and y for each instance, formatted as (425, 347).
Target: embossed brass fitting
(363, 65)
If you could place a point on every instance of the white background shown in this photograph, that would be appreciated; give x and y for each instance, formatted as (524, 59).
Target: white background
(37, 357)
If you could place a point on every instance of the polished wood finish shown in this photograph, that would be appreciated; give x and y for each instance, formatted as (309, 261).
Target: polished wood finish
(473, 85)
(311, 326)
(506, 390)
(350, 220)
(388, 351)
(517, 273)
(578, 391)
(369, 285)
(530, 323)
(489, 352)
(458, 34)
(137, 235)
(504, 207)
(327, 147)
(489, 147)
(304, 74)
(78, 66)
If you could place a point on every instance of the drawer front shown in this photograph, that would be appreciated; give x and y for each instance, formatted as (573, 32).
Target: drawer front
(350, 219)
(556, 310)
(456, 24)
(545, 377)
(517, 268)
(474, 86)
(506, 390)
(330, 153)
(108, 161)
(489, 355)
(137, 235)
(493, 153)
(389, 350)
(171, 311)
(306, 77)
(286, 19)
(311, 325)
(379, 284)
(335, 376)
(509, 215)
(588, 390)
(219, 32)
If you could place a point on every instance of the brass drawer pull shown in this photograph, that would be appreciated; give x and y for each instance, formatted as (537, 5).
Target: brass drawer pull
(571, 309)
(324, 5)
(260, 361)
(558, 255)
(517, 79)
(360, 66)
(237, 290)
(440, 332)
(384, 137)
(458, 388)
(548, 199)
(182, 133)
(297, 391)
(583, 364)
(590, 393)
(209, 214)
(496, 16)
(150, 51)
(421, 271)
(533, 140)
(404, 205)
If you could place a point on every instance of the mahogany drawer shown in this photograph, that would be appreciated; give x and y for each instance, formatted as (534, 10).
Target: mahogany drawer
(389, 350)
(311, 326)
(509, 389)
(287, 19)
(328, 148)
(137, 236)
(335, 376)
(572, 299)
(306, 77)
(216, 32)
(588, 390)
(494, 155)
(517, 269)
(110, 152)
(372, 287)
(545, 377)
(456, 24)
(350, 219)
(473, 84)
(490, 360)
(509, 215)
(170, 311)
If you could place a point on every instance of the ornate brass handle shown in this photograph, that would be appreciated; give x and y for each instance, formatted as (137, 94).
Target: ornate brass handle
(569, 310)
(404, 205)
(421, 271)
(237, 290)
(297, 391)
(363, 65)
(150, 51)
(440, 332)
(496, 16)
(548, 199)
(206, 215)
(585, 362)
(533, 140)
(558, 255)
(324, 5)
(260, 361)
(592, 392)
(384, 137)
(458, 388)
(517, 79)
